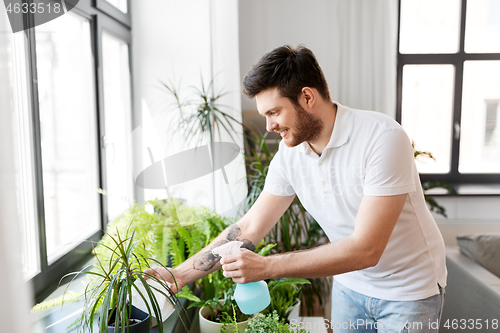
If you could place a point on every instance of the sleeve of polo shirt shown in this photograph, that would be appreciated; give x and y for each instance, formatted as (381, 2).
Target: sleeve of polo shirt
(276, 181)
(390, 165)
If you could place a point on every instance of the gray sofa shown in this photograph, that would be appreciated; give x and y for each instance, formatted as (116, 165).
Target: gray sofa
(472, 294)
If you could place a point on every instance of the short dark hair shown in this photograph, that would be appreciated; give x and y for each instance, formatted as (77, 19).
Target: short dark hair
(289, 69)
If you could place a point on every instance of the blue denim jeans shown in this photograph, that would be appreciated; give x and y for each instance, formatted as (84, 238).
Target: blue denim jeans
(354, 312)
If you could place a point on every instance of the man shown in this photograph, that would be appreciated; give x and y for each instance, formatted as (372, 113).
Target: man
(354, 172)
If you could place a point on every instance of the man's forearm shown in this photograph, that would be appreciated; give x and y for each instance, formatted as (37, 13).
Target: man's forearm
(326, 260)
(205, 262)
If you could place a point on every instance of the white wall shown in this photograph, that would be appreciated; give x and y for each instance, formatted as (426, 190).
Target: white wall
(326, 25)
(179, 42)
(353, 40)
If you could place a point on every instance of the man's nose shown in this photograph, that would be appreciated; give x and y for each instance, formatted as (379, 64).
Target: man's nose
(271, 125)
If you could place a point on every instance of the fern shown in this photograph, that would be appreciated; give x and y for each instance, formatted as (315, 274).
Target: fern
(68, 297)
(186, 236)
(196, 237)
(164, 247)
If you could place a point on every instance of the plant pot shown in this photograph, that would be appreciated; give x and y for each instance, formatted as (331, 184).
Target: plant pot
(208, 326)
(294, 314)
(143, 326)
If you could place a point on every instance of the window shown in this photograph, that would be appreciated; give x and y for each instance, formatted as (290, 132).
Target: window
(68, 84)
(68, 132)
(117, 120)
(449, 87)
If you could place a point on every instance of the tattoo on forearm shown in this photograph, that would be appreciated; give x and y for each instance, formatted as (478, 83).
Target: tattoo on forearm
(233, 232)
(205, 261)
(247, 244)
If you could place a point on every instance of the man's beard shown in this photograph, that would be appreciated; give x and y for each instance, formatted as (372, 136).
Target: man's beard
(307, 127)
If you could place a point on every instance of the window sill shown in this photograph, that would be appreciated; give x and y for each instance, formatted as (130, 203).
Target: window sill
(491, 189)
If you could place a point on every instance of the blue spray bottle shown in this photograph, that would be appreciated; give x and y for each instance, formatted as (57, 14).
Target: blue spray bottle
(251, 297)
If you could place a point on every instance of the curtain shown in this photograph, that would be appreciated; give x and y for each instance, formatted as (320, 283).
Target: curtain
(14, 292)
(364, 53)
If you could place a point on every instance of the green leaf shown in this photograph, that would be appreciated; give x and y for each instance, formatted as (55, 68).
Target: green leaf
(266, 249)
(297, 281)
(189, 296)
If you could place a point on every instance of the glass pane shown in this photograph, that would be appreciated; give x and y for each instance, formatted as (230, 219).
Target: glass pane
(120, 4)
(480, 134)
(482, 29)
(429, 26)
(427, 110)
(15, 99)
(118, 125)
(68, 132)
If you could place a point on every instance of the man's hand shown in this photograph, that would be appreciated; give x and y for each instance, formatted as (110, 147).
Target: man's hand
(170, 275)
(245, 267)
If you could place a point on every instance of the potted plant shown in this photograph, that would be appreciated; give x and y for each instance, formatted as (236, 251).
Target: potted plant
(108, 296)
(202, 114)
(224, 317)
(218, 307)
(285, 298)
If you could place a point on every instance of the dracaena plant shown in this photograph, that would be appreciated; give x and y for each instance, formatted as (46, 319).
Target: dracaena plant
(112, 282)
(202, 114)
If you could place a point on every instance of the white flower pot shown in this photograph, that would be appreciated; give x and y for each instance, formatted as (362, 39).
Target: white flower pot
(294, 315)
(208, 326)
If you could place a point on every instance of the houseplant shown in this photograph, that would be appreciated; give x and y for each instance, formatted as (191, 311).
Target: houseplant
(202, 114)
(110, 291)
(228, 316)
(271, 323)
(285, 296)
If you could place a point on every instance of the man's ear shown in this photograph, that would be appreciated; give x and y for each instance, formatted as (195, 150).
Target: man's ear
(309, 96)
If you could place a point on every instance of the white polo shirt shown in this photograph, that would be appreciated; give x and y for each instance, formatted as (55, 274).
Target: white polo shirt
(368, 154)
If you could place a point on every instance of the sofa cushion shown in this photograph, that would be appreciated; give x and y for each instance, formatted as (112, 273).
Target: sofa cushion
(483, 249)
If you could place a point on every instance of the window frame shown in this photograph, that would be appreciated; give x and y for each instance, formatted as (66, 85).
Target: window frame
(48, 278)
(457, 60)
(114, 12)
